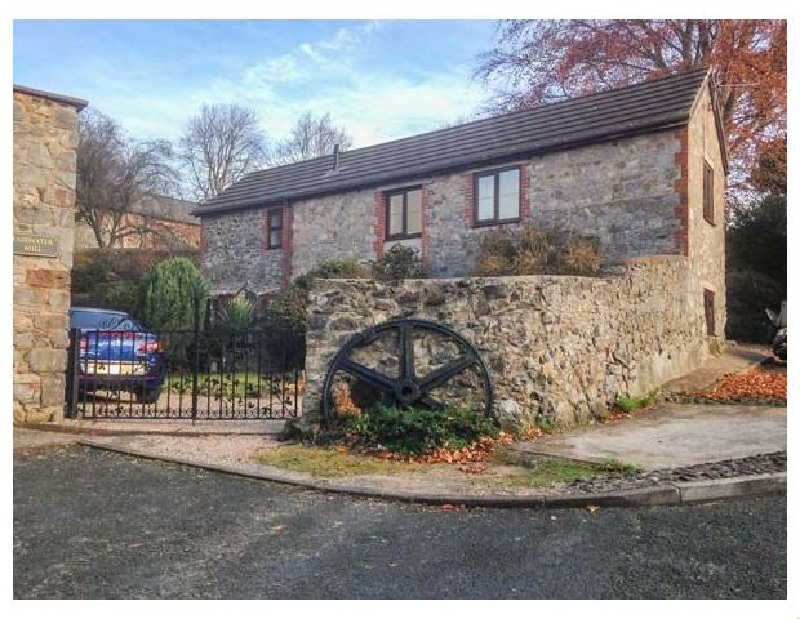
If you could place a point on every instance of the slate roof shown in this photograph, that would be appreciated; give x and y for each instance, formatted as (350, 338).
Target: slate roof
(643, 108)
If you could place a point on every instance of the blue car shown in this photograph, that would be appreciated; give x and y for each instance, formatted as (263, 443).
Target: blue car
(117, 354)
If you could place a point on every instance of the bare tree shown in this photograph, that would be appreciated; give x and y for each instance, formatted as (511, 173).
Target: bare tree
(221, 144)
(113, 172)
(311, 137)
(461, 119)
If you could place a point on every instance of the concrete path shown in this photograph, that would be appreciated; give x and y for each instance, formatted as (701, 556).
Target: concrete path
(27, 440)
(672, 435)
(735, 359)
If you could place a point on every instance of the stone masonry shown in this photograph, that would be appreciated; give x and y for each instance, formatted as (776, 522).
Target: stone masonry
(45, 139)
(623, 192)
(558, 348)
(706, 240)
(233, 253)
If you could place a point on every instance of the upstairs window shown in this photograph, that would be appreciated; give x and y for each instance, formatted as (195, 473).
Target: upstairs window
(274, 228)
(708, 193)
(497, 196)
(404, 214)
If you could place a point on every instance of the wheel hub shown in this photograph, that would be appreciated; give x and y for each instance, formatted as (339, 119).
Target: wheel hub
(407, 392)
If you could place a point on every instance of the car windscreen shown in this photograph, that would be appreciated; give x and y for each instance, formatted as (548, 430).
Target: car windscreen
(101, 320)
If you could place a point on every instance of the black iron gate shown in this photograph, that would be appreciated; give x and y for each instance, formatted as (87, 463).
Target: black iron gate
(199, 374)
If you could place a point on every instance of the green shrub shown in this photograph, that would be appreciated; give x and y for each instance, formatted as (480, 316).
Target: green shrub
(397, 263)
(415, 431)
(122, 296)
(333, 269)
(168, 294)
(632, 403)
(534, 251)
(287, 309)
(283, 310)
(236, 314)
(86, 277)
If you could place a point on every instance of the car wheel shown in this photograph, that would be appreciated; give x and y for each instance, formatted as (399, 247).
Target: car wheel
(148, 396)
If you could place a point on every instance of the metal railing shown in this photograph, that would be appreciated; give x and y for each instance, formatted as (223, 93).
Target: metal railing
(198, 374)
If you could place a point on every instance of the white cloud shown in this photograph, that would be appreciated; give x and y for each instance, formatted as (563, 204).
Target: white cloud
(375, 103)
(280, 69)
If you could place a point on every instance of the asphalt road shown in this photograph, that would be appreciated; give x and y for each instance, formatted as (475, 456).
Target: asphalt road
(91, 524)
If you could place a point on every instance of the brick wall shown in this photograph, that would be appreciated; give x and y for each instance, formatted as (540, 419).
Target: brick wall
(151, 233)
(45, 138)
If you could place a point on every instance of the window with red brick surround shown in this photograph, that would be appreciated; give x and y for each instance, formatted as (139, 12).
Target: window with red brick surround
(274, 229)
(404, 213)
(498, 196)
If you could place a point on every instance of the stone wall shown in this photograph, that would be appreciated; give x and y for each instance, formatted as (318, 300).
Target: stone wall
(706, 240)
(338, 226)
(234, 253)
(45, 138)
(623, 192)
(560, 348)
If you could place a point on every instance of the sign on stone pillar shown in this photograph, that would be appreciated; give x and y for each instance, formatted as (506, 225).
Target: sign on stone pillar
(35, 245)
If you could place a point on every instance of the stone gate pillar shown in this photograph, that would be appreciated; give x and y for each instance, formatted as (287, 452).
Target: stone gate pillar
(45, 140)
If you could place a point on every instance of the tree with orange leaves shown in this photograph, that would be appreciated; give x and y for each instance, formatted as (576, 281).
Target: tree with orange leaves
(537, 62)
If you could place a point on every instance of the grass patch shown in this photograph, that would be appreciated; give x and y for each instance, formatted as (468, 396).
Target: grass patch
(544, 471)
(631, 403)
(322, 462)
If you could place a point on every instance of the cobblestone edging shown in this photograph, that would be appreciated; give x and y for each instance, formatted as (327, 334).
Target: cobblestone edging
(742, 401)
(739, 467)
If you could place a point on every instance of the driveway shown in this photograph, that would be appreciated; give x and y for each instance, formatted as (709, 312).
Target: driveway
(92, 524)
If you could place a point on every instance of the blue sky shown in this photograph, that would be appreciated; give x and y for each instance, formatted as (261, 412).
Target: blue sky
(381, 79)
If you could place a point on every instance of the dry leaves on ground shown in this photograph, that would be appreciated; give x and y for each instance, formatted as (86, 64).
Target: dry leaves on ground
(760, 382)
(476, 452)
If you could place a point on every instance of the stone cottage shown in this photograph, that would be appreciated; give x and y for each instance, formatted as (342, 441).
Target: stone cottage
(642, 168)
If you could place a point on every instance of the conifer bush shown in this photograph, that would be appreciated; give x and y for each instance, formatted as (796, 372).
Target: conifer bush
(168, 295)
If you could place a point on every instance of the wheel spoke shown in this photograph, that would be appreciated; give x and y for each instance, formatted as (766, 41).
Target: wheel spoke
(367, 375)
(431, 403)
(406, 388)
(406, 352)
(439, 377)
